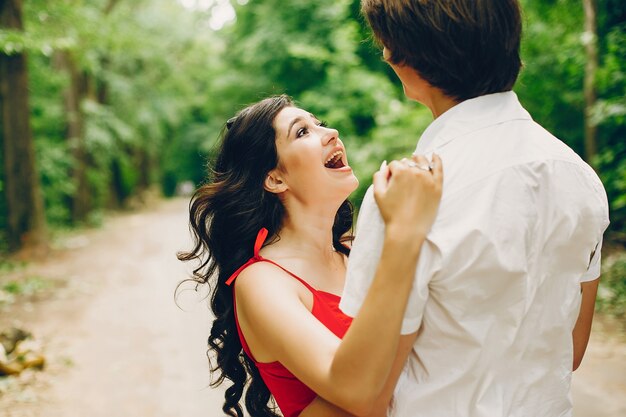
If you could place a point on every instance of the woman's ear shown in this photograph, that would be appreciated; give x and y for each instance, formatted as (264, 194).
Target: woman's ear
(274, 182)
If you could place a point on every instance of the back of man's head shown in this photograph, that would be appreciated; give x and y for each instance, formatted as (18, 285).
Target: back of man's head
(466, 48)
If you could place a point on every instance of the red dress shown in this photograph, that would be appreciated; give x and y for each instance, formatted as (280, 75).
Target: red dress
(291, 395)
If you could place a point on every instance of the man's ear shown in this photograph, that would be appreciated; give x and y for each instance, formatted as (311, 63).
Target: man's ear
(274, 182)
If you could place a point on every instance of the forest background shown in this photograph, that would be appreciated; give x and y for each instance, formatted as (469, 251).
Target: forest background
(103, 101)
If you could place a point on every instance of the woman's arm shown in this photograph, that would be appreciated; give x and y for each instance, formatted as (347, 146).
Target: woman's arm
(582, 329)
(350, 373)
(322, 408)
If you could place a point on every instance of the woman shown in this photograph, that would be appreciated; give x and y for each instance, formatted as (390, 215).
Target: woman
(282, 174)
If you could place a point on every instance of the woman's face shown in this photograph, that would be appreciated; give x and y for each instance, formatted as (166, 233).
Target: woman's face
(312, 161)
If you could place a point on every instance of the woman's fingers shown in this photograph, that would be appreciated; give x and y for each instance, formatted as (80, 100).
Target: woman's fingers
(421, 162)
(416, 165)
(384, 168)
(396, 166)
(380, 180)
(437, 167)
(409, 196)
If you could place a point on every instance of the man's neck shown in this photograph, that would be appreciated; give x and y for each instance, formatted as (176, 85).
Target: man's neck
(440, 103)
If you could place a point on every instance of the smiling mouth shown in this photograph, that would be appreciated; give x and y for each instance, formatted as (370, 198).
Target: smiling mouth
(335, 161)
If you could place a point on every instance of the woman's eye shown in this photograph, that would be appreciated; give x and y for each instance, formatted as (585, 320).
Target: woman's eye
(323, 124)
(301, 132)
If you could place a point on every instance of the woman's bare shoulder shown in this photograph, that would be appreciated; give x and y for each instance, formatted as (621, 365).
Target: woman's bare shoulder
(264, 278)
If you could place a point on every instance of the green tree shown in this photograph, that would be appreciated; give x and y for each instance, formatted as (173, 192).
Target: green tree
(125, 95)
(576, 94)
(25, 224)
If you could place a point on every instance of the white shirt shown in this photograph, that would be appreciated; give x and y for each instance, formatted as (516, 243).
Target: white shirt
(497, 288)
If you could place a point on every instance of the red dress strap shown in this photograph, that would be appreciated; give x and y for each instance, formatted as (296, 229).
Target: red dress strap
(291, 395)
(258, 244)
(303, 282)
(260, 240)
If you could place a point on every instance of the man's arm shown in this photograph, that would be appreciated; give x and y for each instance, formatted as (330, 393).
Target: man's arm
(582, 329)
(589, 289)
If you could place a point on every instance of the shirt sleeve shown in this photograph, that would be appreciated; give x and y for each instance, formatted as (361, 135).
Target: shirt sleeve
(593, 272)
(364, 255)
(600, 206)
(363, 262)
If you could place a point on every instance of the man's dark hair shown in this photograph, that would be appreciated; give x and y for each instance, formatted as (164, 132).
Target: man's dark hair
(466, 48)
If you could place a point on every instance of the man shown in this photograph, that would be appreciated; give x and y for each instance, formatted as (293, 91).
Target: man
(503, 297)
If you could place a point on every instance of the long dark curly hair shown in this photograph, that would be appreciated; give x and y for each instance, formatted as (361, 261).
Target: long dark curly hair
(225, 215)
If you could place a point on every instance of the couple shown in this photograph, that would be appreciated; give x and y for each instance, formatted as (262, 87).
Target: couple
(469, 297)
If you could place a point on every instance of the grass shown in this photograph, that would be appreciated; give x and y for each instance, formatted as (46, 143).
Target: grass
(7, 266)
(29, 286)
(15, 282)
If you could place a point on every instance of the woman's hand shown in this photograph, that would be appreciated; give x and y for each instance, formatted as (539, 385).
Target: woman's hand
(356, 373)
(408, 192)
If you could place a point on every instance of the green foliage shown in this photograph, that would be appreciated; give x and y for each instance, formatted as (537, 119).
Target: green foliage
(15, 42)
(551, 86)
(319, 57)
(12, 290)
(612, 291)
(11, 266)
(144, 68)
(54, 164)
(29, 286)
(10, 286)
(158, 84)
(610, 116)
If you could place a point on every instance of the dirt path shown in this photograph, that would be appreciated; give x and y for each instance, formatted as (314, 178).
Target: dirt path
(117, 345)
(599, 385)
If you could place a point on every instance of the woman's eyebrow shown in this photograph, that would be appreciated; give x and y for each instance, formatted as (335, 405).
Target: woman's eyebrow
(296, 120)
(293, 122)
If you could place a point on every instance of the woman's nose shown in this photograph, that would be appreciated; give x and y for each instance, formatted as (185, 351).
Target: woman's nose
(330, 136)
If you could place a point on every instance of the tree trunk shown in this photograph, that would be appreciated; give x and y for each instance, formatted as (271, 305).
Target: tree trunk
(24, 201)
(82, 86)
(116, 186)
(591, 51)
(110, 6)
(73, 96)
(117, 193)
(145, 169)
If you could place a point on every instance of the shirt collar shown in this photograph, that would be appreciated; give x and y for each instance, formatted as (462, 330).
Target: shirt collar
(469, 116)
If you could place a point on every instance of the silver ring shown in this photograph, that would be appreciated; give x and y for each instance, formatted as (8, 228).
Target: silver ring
(416, 165)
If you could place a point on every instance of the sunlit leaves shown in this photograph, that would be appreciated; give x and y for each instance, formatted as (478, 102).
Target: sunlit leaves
(162, 81)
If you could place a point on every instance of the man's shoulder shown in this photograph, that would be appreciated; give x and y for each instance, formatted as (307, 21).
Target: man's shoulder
(514, 159)
(512, 144)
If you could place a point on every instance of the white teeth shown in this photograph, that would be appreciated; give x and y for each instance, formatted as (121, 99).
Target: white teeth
(334, 154)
